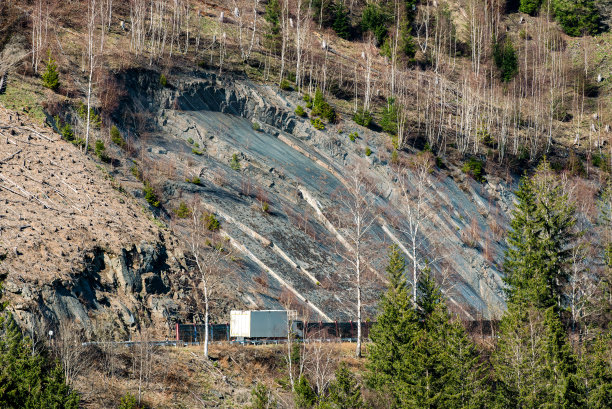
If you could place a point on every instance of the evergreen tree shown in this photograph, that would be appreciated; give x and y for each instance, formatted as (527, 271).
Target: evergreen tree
(28, 380)
(341, 24)
(596, 372)
(539, 242)
(272, 17)
(50, 76)
(344, 391)
(530, 6)
(388, 121)
(577, 17)
(305, 397)
(505, 59)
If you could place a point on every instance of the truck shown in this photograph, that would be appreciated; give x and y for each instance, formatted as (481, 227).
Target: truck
(258, 324)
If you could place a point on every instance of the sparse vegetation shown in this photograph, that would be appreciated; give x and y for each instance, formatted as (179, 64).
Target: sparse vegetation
(299, 111)
(150, 195)
(353, 136)
(163, 81)
(212, 223)
(235, 162)
(317, 124)
(368, 151)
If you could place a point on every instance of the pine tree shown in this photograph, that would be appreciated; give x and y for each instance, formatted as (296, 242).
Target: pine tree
(344, 391)
(530, 6)
(272, 17)
(261, 397)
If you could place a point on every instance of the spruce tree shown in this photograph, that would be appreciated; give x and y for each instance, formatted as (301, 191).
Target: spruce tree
(341, 24)
(344, 391)
(596, 371)
(539, 242)
(50, 76)
(393, 333)
(305, 397)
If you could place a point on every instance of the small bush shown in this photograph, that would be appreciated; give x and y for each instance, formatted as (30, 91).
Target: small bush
(321, 108)
(475, 168)
(299, 111)
(317, 123)
(212, 223)
(195, 180)
(368, 151)
(182, 212)
(394, 157)
(285, 85)
(190, 141)
(163, 81)
(136, 172)
(197, 151)
(261, 397)
(150, 195)
(235, 162)
(265, 207)
(306, 98)
(100, 151)
(362, 117)
(256, 126)
(388, 121)
(116, 136)
(128, 402)
(50, 78)
(353, 136)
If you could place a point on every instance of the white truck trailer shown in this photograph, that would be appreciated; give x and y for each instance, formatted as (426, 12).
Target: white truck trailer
(262, 323)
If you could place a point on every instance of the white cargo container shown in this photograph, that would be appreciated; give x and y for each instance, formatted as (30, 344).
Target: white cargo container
(261, 323)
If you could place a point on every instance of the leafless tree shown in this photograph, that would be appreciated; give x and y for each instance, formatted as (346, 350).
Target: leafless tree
(414, 182)
(207, 253)
(360, 217)
(92, 21)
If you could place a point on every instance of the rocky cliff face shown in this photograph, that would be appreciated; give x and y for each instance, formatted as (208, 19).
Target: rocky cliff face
(201, 120)
(76, 247)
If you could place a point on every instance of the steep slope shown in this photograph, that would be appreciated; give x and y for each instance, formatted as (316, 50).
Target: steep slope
(302, 174)
(76, 247)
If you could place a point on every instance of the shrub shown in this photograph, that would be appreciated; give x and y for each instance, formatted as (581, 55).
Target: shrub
(136, 172)
(116, 136)
(64, 129)
(235, 162)
(485, 137)
(285, 85)
(128, 402)
(505, 59)
(195, 180)
(368, 151)
(362, 117)
(577, 17)
(150, 195)
(212, 223)
(600, 161)
(100, 151)
(197, 151)
(353, 136)
(475, 168)
(163, 81)
(530, 6)
(317, 123)
(265, 207)
(299, 111)
(305, 397)
(182, 212)
(190, 141)
(50, 78)
(256, 126)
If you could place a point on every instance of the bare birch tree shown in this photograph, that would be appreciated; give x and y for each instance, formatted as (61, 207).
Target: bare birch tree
(92, 15)
(414, 183)
(359, 210)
